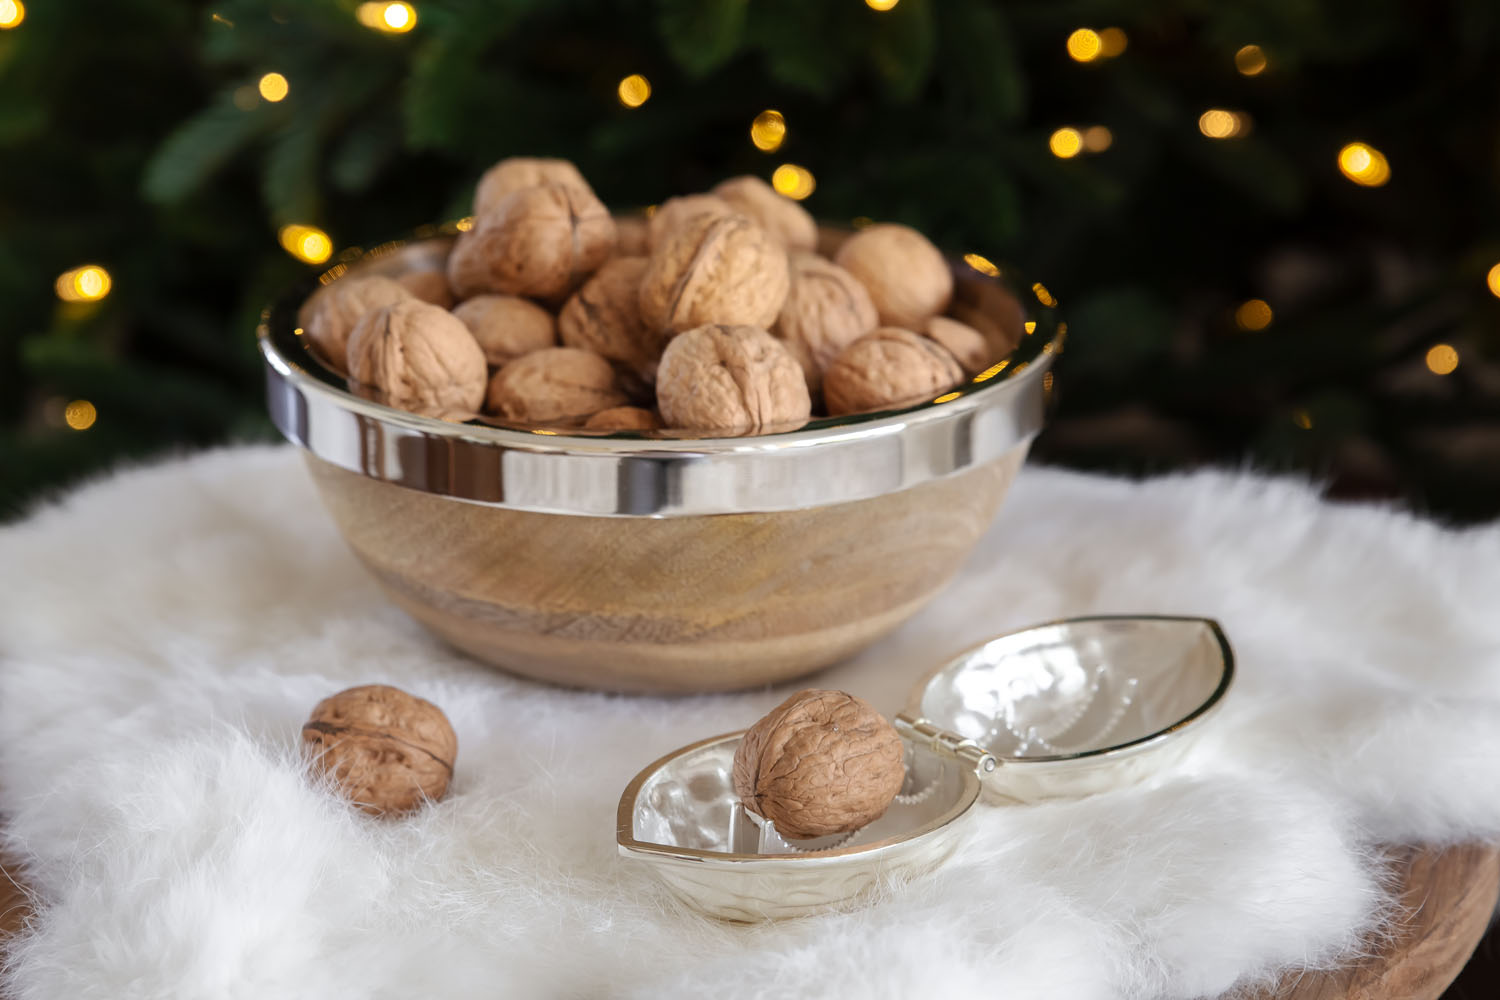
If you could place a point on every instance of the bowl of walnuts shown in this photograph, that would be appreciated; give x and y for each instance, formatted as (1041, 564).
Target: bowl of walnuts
(706, 447)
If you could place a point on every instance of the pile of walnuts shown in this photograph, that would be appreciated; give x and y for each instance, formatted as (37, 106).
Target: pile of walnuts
(715, 315)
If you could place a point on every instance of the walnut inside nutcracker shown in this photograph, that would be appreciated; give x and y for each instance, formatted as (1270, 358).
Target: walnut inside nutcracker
(538, 241)
(714, 269)
(821, 763)
(886, 369)
(734, 379)
(421, 358)
(388, 750)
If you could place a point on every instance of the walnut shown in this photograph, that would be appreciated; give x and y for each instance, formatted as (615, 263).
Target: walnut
(507, 327)
(388, 750)
(993, 310)
(782, 217)
(538, 241)
(561, 385)
(967, 345)
(632, 236)
(429, 285)
(604, 316)
(822, 762)
(673, 212)
(623, 418)
(826, 310)
(730, 378)
(517, 172)
(421, 358)
(330, 315)
(906, 275)
(714, 269)
(887, 369)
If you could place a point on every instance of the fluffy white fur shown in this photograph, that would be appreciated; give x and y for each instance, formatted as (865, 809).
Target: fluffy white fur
(163, 634)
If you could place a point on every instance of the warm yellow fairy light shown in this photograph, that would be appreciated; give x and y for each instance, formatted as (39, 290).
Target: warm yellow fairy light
(1042, 295)
(1442, 359)
(768, 131)
(1084, 45)
(1303, 419)
(1494, 280)
(982, 264)
(1112, 42)
(393, 16)
(1217, 123)
(947, 397)
(12, 13)
(634, 90)
(991, 372)
(1250, 60)
(465, 224)
(88, 283)
(1253, 314)
(308, 244)
(273, 87)
(1364, 164)
(881, 4)
(1097, 138)
(1030, 326)
(1065, 143)
(793, 181)
(80, 414)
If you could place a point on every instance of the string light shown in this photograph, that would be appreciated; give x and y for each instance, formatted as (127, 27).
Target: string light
(393, 17)
(1065, 143)
(1097, 138)
(1216, 123)
(1085, 45)
(308, 244)
(1442, 359)
(881, 4)
(273, 87)
(1030, 326)
(982, 264)
(12, 13)
(80, 414)
(1112, 42)
(1364, 164)
(768, 131)
(1494, 280)
(1254, 314)
(1042, 295)
(1250, 60)
(88, 283)
(217, 18)
(793, 181)
(634, 90)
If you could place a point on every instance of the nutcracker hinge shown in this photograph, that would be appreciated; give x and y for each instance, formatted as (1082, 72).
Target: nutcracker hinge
(945, 742)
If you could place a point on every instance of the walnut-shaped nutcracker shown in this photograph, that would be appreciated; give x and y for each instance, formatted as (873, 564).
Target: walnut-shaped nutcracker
(539, 241)
(562, 386)
(387, 750)
(906, 275)
(721, 269)
(888, 369)
(730, 379)
(419, 358)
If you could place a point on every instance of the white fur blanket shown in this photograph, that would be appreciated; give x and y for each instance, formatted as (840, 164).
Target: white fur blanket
(163, 634)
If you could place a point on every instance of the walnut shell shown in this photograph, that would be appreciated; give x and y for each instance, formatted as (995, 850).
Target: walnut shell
(967, 345)
(429, 285)
(780, 216)
(993, 310)
(329, 316)
(822, 762)
(507, 327)
(632, 236)
(887, 369)
(514, 173)
(623, 418)
(730, 378)
(421, 358)
(714, 269)
(907, 277)
(538, 241)
(826, 310)
(388, 750)
(604, 316)
(672, 213)
(561, 385)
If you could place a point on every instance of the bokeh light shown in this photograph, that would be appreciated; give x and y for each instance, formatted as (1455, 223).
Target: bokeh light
(1097, 138)
(308, 244)
(12, 13)
(1364, 164)
(391, 16)
(1494, 281)
(881, 4)
(982, 264)
(793, 181)
(88, 283)
(1303, 419)
(1112, 42)
(1253, 314)
(1085, 45)
(273, 87)
(768, 131)
(80, 414)
(1217, 123)
(1065, 143)
(1250, 60)
(1442, 359)
(1042, 295)
(634, 90)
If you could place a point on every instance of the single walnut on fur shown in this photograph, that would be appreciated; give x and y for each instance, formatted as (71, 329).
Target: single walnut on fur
(966, 344)
(714, 269)
(429, 285)
(623, 418)
(421, 358)
(730, 378)
(507, 327)
(782, 217)
(604, 316)
(388, 750)
(538, 241)
(517, 172)
(673, 212)
(330, 315)
(906, 275)
(886, 369)
(823, 762)
(826, 310)
(561, 385)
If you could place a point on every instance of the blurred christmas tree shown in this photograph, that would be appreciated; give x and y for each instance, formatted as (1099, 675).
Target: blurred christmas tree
(1271, 225)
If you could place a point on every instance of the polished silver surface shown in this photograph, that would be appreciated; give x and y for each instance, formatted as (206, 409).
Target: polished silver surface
(658, 474)
(1082, 705)
(681, 816)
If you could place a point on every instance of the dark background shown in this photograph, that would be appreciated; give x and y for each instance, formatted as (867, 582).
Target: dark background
(133, 138)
